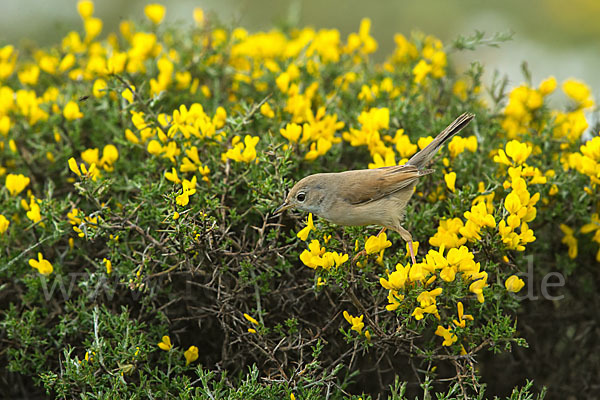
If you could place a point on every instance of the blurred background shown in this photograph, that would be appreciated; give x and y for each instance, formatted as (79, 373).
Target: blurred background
(554, 37)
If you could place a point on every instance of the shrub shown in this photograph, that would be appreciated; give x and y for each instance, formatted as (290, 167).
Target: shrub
(141, 257)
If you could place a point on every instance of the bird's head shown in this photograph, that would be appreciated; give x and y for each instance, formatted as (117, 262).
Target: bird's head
(309, 194)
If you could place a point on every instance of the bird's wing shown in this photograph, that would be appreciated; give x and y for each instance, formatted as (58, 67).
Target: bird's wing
(379, 183)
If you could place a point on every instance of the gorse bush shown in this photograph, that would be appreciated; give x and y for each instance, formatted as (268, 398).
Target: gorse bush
(140, 257)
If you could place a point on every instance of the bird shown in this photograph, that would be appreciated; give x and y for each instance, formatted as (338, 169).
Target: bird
(369, 196)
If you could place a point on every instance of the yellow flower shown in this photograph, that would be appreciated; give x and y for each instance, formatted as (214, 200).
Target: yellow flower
(570, 240)
(71, 111)
(516, 150)
(379, 161)
(312, 257)
(74, 167)
(592, 226)
(172, 176)
(67, 62)
(471, 143)
(579, 92)
(5, 124)
(356, 322)
(477, 288)
(514, 284)
(165, 343)
(448, 273)
(189, 188)
(405, 50)
(99, 88)
(460, 89)
(512, 203)
(291, 132)
(368, 93)
(283, 82)
(183, 79)
(427, 298)
(267, 111)
(339, 259)
(449, 337)
(458, 144)
(191, 355)
(198, 16)
(404, 147)
(75, 216)
(89, 357)
(4, 223)
(242, 152)
(591, 149)
(317, 149)
(110, 155)
(431, 279)
(108, 265)
(34, 213)
(462, 317)
(127, 94)
(547, 86)
(523, 100)
(477, 218)
(29, 75)
(450, 179)
(116, 62)
(396, 279)
(303, 234)
(420, 71)
(81, 170)
(92, 27)
(375, 244)
(417, 272)
(447, 234)
(43, 266)
(155, 13)
(91, 156)
(251, 319)
(419, 312)
(394, 300)
(327, 260)
(130, 136)
(570, 125)
(16, 183)
(85, 8)
(372, 121)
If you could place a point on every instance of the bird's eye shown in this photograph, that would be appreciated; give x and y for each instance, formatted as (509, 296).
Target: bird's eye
(301, 197)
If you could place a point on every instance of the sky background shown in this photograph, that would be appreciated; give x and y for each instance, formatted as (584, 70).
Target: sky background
(554, 37)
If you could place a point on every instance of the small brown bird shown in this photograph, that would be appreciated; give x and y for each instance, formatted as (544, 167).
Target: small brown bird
(369, 196)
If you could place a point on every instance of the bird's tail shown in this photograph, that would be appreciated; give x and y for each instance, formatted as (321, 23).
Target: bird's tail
(423, 157)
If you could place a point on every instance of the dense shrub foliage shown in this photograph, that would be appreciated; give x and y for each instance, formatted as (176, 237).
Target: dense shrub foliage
(141, 258)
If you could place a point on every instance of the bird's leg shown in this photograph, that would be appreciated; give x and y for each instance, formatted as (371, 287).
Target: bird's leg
(412, 252)
(363, 252)
(408, 238)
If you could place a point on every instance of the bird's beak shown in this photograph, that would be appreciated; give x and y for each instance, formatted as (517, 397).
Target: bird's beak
(282, 208)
